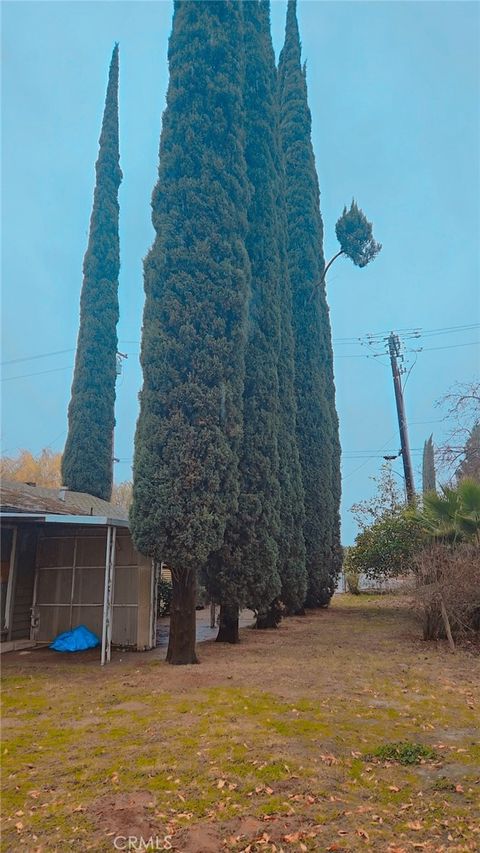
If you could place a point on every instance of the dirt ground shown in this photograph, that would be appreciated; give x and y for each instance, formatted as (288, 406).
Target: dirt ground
(265, 746)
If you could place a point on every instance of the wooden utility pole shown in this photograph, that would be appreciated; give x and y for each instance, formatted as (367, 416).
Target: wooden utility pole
(394, 350)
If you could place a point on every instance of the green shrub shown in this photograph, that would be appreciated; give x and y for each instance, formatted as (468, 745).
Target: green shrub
(402, 752)
(353, 582)
(386, 548)
(164, 599)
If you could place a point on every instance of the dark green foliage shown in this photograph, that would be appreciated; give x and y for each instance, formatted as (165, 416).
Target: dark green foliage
(259, 504)
(246, 569)
(196, 284)
(354, 233)
(87, 463)
(403, 752)
(428, 467)
(291, 542)
(317, 423)
(272, 617)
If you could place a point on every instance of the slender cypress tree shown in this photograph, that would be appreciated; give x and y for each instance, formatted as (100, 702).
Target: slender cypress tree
(186, 483)
(249, 571)
(317, 423)
(87, 463)
(291, 542)
(428, 467)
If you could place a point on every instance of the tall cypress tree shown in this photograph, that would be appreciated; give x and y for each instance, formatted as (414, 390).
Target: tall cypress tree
(291, 542)
(428, 467)
(246, 569)
(317, 423)
(196, 277)
(87, 463)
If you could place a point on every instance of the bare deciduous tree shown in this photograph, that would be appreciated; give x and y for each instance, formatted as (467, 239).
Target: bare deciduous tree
(461, 413)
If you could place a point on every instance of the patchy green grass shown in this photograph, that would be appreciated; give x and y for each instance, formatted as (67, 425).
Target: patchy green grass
(339, 731)
(403, 752)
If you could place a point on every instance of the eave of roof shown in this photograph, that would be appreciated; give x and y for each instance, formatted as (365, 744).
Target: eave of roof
(49, 518)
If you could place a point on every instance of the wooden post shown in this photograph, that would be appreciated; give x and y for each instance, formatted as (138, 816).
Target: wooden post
(446, 622)
(108, 595)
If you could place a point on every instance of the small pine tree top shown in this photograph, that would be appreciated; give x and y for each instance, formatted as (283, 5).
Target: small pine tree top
(354, 233)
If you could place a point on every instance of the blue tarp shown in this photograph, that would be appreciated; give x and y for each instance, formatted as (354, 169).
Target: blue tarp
(75, 641)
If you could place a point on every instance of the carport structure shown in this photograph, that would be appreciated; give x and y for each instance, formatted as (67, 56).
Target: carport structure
(67, 569)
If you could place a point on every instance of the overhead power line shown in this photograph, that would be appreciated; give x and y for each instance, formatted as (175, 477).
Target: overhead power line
(419, 349)
(34, 357)
(360, 339)
(359, 467)
(346, 355)
(452, 346)
(39, 373)
(414, 332)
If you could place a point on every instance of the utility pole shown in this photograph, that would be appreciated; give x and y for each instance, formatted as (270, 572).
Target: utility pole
(394, 349)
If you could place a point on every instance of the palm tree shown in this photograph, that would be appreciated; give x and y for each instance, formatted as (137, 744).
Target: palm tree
(454, 515)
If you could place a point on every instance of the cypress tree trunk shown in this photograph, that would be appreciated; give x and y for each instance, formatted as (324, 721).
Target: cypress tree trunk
(317, 424)
(183, 614)
(185, 484)
(87, 463)
(228, 631)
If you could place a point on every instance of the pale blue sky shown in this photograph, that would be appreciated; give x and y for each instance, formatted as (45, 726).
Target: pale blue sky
(394, 93)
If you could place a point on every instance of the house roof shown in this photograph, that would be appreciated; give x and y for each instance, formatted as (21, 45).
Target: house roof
(21, 498)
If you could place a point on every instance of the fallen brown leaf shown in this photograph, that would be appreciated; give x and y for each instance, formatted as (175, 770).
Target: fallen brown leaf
(329, 759)
(363, 834)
